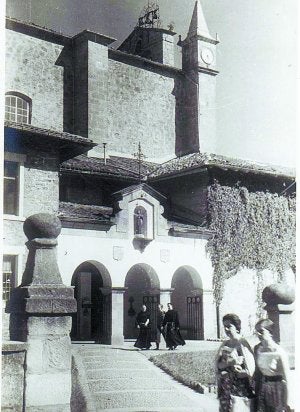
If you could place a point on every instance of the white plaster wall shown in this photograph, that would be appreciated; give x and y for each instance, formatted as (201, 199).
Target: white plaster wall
(76, 246)
(240, 296)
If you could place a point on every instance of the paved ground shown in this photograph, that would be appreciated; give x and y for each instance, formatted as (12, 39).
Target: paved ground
(123, 379)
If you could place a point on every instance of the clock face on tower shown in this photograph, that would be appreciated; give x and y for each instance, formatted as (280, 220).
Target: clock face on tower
(207, 55)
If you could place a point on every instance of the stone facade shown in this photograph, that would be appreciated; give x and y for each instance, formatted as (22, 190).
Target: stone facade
(155, 44)
(32, 69)
(40, 188)
(141, 107)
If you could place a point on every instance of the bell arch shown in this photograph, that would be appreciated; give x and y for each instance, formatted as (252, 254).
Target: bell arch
(92, 290)
(142, 287)
(187, 299)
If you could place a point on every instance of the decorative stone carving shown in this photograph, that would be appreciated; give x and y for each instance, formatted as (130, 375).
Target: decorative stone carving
(278, 293)
(140, 243)
(42, 225)
(165, 255)
(118, 252)
(279, 300)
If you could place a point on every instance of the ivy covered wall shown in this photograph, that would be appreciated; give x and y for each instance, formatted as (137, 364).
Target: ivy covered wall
(254, 230)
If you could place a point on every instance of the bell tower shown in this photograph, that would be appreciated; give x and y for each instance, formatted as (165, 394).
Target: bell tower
(199, 90)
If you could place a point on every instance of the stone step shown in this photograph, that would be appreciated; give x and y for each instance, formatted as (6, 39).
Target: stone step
(118, 373)
(127, 383)
(161, 409)
(93, 365)
(104, 354)
(142, 398)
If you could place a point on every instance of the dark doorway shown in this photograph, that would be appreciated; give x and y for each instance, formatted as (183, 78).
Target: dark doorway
(142, 287)
(187, 299)
(92, 322)
(194, 318)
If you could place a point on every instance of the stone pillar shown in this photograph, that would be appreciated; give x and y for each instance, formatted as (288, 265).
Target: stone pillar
(209, 315)
(13, 371)
(90, 51)
(165, 297)
(117, 305)
(279, 299)
(40, 315)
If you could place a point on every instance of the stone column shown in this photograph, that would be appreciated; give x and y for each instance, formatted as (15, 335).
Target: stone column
(117, 321)
(279, 299)
(209, 315)
(13, 376)
(165, 297)
(40, 315)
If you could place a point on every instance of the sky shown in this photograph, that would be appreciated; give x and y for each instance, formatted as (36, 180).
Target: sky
(256, 57)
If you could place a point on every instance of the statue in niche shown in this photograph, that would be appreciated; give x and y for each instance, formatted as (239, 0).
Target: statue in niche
(140, 221)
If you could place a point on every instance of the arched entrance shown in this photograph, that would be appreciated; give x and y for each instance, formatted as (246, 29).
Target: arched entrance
(143, 287)
(187, 299)
(92, 290)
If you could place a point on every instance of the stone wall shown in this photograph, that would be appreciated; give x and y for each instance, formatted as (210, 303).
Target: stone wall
(207, 113)
(141, 107)
(41, 183)
(115, 102)
(13, 374)
(40, 194)
(32, 69)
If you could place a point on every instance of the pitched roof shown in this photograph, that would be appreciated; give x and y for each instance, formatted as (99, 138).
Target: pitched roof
(29, 128)
(114, 166)
(187, 163)
(84, 213)
(198, 25)
(178, 229)
(141, 186)
(123, 167)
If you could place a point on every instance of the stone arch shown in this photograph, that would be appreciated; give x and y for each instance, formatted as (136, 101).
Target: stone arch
(142, 287)
(187, 299)
(92, 290)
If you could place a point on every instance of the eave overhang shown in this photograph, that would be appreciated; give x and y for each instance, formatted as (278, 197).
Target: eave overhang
(19, 136)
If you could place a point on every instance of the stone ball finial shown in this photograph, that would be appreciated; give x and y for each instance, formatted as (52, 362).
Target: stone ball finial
(42, 225)
(278, 294)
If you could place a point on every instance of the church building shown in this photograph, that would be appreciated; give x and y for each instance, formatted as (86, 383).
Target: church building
(121, 145)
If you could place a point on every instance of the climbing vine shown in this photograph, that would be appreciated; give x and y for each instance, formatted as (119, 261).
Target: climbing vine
(251, 230)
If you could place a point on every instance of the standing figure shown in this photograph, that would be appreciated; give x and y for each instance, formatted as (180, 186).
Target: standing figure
(171, 324)
(143, 324)
(272, 371)
(159, 325)
(234, 369)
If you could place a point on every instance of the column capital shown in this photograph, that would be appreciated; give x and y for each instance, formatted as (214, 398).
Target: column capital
(166, 290)
(118, 289)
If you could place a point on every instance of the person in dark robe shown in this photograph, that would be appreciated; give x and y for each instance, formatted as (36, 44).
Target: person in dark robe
(159, 325)
(143, 324)
(171, 324)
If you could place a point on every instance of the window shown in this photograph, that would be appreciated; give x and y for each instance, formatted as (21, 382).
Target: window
(11, 188)
(17, 108)
(8, 276)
